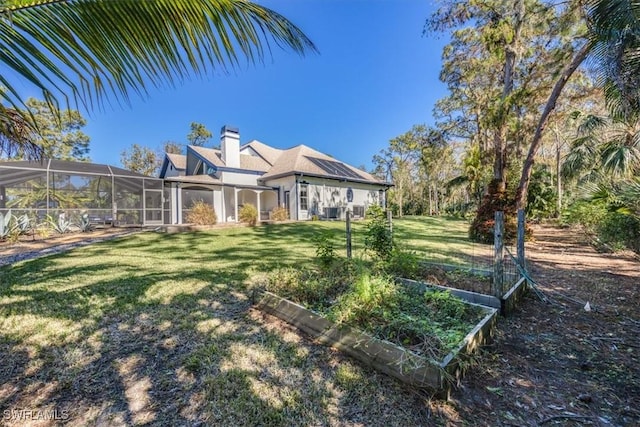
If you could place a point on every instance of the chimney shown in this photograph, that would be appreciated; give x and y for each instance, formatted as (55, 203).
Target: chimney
(230, 145)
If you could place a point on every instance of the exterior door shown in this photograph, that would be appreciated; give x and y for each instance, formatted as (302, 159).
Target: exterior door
(153, 207)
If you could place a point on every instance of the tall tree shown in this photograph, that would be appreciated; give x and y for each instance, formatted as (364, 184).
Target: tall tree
(614, 43)
(400, 160)
(140, 159)
(172, 147)
(86, 51)
(198, 135)
(60, 133)
(535, 44)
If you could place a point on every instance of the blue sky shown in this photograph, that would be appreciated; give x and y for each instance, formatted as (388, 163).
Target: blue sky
(375, 77)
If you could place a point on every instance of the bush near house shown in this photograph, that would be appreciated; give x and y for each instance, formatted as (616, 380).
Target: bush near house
(248, 214)
(202, 213)
(279, 214)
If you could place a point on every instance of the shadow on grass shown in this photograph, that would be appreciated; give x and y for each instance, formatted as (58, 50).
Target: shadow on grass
(133, 332)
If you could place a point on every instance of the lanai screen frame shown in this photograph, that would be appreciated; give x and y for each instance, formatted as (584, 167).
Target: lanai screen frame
(140, 190)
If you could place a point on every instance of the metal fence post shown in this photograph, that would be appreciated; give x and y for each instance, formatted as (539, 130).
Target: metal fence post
(498, 263)
(348, 234)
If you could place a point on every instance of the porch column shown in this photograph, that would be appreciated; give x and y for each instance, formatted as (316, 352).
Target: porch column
(223, 214)
(235, 203)
(258, 193)
(178, 204)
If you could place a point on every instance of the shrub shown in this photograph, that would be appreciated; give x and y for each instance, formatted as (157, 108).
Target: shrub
(403, 263)
(378, 238)
(279, 214)
(85, 223)
(7, 225)
(620, 231)
(202, 213)
(248, 214)
(61, 226)
(586, 213)
(325, 250)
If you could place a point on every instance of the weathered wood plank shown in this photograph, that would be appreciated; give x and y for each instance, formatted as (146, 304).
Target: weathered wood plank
(468, 296)
(384, 356)
(513, 296)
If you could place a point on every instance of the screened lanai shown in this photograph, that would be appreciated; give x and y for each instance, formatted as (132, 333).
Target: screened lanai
(109, 195)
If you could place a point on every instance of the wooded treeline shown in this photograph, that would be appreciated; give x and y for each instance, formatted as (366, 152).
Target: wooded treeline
(541, 113)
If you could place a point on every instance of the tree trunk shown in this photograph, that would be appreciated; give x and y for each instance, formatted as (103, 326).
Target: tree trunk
(558, 179)
(523, 187)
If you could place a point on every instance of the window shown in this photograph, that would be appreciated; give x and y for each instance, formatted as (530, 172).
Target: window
(304, 200)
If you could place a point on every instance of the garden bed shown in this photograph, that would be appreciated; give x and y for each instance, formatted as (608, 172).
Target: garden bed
(415, 335)
(471, 285)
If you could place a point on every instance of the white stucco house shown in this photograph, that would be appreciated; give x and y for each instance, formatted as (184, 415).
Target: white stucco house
(304, 181)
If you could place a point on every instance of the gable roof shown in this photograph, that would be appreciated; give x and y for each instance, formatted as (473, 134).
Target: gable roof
(214, 156)
(305, 160)
(268, 153)
(272, 163)
(179, 161)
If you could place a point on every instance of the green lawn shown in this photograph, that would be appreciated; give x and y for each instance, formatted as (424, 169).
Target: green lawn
(156, 328)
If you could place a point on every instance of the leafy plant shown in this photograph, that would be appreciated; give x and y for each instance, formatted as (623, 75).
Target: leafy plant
(202, 213)
(62, 225)
(279, 214)
(85, 223)
(378, 238)
(325, 249)
(402, 263)
(24, 224)
(7, 225)
(248, 214)
(620, 231)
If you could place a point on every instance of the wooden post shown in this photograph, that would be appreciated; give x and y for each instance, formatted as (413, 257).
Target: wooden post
(390, 221)
(498, 265)
(520, 247)
(349, 234)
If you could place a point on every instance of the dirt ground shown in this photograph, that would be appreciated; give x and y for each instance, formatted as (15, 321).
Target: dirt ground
(552, 363)
(35, 242)
(555, 363)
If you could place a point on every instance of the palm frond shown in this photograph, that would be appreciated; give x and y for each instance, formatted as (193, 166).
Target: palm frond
(619, 158)
(16, 134)
(615, 29)
(83, 52)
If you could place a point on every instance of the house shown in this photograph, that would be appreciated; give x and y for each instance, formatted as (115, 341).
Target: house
(309, 184)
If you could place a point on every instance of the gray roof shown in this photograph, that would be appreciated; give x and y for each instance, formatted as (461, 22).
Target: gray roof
(248, 162)
(304, 160)
(268, 153)
(179, 161)
(276, 163)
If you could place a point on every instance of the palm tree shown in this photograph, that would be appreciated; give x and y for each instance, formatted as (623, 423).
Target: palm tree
(605, 146)
(85, 52)
(616, 31)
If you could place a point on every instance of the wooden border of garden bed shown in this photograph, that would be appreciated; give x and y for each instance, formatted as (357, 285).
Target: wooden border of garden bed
(513, 296)
(384, 356)
(507, 304)
(468, 296)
